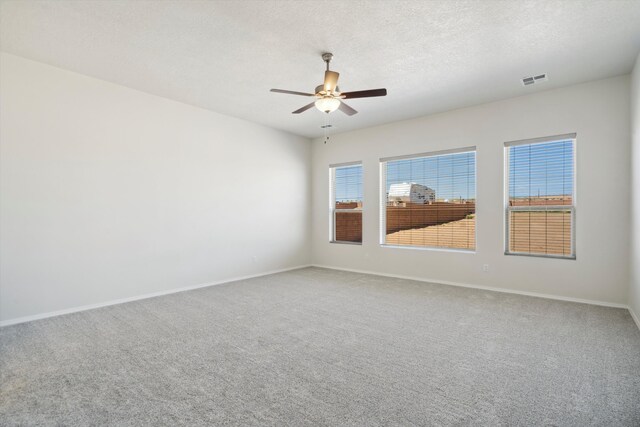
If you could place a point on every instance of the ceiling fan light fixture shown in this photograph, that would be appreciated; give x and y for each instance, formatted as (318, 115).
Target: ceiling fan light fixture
(327, 104)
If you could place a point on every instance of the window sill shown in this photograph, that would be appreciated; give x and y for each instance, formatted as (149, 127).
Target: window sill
(345, 243)
(429, 248)
(571, 258)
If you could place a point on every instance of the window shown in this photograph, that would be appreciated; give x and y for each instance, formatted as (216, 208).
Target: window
(540, 199)
(346, 203)
(429, 200)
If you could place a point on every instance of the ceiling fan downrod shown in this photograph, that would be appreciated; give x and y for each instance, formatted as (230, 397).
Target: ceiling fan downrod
(327, 57)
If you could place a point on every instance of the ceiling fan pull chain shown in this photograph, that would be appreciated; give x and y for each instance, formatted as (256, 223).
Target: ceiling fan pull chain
(324, 127)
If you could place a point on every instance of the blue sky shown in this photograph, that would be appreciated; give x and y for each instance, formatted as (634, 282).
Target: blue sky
(544, 169)
(348, 183)
(452, 176)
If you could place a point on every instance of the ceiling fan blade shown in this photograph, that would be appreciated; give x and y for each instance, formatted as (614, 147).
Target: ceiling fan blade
(364, 93)
(305, 108)
(346, 109)
(292, 92)
(330, 80)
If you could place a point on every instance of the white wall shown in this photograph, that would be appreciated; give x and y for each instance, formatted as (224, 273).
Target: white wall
(109, 193)
(634, 289)
(597, 111)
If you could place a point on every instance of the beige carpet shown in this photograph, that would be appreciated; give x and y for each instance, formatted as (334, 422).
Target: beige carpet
(322, 347)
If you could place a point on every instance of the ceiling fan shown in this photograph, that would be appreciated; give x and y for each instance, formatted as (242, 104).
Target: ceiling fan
(328, 95)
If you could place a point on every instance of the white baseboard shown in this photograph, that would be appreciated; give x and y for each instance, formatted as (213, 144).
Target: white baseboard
(24, 319)
(485, 288)
(634, 317)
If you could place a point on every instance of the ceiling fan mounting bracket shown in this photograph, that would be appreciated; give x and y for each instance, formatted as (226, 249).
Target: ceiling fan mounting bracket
(327, 57)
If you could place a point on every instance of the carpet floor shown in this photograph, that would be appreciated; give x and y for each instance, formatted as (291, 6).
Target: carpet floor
(324, 347)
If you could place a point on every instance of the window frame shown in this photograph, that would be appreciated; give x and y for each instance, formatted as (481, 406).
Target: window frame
(332, 203)
(383, 199)
(572, 208)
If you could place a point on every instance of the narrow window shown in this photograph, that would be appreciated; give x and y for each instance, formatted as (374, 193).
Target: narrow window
(540, 199)
(429, 200)
(346, 203)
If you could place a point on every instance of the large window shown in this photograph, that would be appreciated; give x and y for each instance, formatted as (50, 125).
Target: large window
(429, 200)
(540, 199)
(346, 203)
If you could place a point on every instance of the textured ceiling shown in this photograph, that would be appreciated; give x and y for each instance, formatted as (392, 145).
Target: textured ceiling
(432, 56)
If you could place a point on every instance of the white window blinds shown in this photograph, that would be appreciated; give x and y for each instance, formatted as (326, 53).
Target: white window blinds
(429, 200)
(540, 210)
(346, 203)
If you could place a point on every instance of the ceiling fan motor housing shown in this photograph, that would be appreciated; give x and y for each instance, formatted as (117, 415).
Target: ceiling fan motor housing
(320, 88)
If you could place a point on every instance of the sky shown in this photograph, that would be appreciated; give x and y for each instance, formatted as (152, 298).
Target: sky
(544, 169)
(348, 183)
(452, 176)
